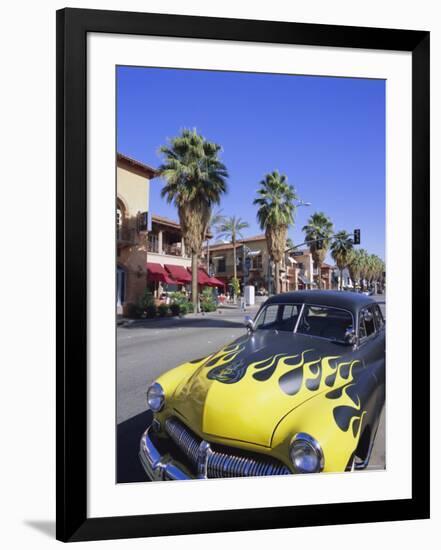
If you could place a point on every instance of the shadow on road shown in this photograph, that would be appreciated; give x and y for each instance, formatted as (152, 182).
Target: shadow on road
(128, 435)
(205, 322)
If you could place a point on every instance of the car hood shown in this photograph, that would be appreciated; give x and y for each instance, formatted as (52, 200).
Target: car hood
(244, 390)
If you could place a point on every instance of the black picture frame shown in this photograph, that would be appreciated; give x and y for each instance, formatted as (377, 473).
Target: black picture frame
(72, 28)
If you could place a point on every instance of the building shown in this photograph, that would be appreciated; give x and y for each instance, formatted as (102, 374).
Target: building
(132, 207)
(297, 271)
(261, 269)
(167, 259)
(151, 250)
(168, 263)
(305, 269)
(329, 277)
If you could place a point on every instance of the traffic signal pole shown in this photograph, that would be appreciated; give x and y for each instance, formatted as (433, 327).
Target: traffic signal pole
(356, 240)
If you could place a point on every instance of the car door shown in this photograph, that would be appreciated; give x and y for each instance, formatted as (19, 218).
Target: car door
(372, 351)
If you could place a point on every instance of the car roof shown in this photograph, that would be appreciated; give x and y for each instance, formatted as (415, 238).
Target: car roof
(352, 301)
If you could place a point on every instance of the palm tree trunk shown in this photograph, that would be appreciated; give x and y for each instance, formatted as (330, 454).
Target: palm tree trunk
(208, 257)
(277, 276)
(194, 282)
(234, 265)
(319, 275)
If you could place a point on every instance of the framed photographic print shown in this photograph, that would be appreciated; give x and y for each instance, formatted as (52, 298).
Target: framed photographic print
(242, 274)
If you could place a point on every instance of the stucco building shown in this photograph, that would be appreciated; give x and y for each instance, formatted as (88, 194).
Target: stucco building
(261, 269)
(297, 270)
(132, 211)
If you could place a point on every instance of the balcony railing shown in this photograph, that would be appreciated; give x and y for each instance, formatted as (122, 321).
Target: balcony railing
(167, 249)
(174, 249)
(153, 247)
(124, 235)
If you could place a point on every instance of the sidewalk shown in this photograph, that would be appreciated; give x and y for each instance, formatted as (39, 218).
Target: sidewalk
(225, 310)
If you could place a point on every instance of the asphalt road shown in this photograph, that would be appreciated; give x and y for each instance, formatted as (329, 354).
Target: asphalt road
(147, 349)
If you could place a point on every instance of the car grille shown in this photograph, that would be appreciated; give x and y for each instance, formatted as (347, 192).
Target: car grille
(222, 461)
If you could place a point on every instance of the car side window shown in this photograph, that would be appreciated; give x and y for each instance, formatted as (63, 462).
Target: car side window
(367, 323)
(379, 320)
(269, 316)
(289, 311)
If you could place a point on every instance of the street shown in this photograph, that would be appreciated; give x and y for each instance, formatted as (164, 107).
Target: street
(147, 349)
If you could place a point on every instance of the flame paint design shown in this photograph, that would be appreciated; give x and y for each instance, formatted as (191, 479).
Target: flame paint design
(306, 371)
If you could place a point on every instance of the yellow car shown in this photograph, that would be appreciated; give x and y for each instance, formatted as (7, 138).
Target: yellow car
(301, 392)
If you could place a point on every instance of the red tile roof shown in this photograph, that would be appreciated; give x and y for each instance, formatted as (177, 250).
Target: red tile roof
(228, 246)
(136, 166)
(165, 221)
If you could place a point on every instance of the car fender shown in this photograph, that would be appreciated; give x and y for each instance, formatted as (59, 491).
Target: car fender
(334, 421)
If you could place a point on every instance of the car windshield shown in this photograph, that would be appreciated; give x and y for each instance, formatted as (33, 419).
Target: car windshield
(278, 317)
(322, 321)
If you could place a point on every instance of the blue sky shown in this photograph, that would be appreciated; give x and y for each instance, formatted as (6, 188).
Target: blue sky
(326, 134)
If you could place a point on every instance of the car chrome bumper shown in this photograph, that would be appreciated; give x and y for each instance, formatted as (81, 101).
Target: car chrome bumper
(158, 467)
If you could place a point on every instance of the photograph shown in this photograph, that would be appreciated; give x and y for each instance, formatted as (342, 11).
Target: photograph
(250, 274)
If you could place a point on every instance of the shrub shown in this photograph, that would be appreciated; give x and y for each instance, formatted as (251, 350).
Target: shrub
(235, 285)
(134, 311)
(178, 298)
(151, 311)
(146, 300)
(207, 300)
(208, 306)
(163, 310)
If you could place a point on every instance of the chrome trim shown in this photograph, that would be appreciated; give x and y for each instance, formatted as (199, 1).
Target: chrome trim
(298, 318)
(157, 467)
(314, 444)
(204, 452)
(184, 439)
(209, 462)
(157, 385)
(222, 464)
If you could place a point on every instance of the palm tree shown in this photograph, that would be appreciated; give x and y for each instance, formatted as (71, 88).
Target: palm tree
(341, 246)
(319, 227)
(289, 243)
(364, 266)
(215, 219)
(275, 214)
(354, 266)
(195, 181)
(231, 229)
(376, 269)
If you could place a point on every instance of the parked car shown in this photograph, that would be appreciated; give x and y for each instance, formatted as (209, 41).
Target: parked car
(301, 392)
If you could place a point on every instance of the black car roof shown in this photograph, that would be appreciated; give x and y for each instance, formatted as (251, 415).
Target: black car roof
(352, 301)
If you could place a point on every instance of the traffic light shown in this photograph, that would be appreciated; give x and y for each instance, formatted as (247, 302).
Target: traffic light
(356, 236)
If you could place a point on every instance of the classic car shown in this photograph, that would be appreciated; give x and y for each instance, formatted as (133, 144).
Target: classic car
(301, 392)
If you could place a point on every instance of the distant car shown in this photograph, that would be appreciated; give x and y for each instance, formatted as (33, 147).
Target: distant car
(301, 392)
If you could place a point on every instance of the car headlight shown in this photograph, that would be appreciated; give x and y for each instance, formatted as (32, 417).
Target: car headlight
(306, 454)
(155, 397)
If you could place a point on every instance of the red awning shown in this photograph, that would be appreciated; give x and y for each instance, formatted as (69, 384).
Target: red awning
(217, 282)
(158, 274)
(203, 278)
(179, 273)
